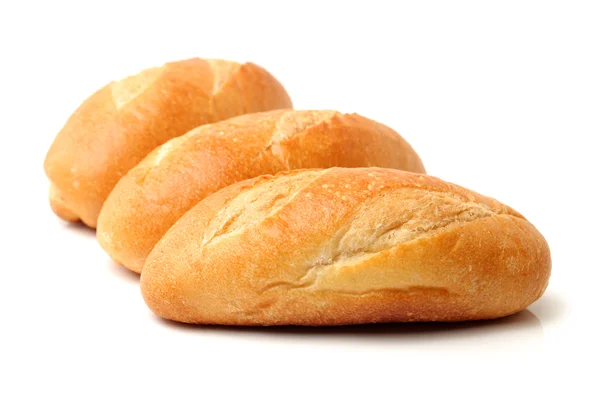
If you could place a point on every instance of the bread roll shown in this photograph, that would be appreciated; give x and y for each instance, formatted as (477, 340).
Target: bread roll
(174, 177)
(121, 123)
(345, 246)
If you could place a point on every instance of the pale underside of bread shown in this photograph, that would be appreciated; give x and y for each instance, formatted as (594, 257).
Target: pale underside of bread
(345, 246)
(174, 177)
(121, 123)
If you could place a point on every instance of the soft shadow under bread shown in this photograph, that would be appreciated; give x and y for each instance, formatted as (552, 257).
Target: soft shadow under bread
(122, 272)
(79, 228)
(524, 321)
(551, 308)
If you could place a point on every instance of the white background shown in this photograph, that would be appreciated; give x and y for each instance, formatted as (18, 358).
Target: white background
(501, 97)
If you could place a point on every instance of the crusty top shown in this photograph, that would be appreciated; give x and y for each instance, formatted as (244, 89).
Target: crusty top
(380, 210)
(361, 214)
(121, 123)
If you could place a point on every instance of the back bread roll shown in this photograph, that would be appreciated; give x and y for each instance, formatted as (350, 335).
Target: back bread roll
(174, 177)
(121, 123)
(345, 246)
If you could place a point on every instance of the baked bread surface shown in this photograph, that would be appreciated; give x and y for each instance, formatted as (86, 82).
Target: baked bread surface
(121, 123)
(345, 246)
(174, 177)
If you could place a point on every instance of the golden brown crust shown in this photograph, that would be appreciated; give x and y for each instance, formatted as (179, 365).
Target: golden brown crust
(121, 123)
(174, 177)
(345, 246)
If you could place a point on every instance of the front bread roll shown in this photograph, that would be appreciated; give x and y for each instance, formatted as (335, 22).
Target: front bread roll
(175, 176)
(345, 246)
(121, 123)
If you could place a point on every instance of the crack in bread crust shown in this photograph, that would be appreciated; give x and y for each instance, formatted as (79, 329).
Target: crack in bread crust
(240, 209)
(223, 72)
(126, 90)
(291, 125)
(355, 258)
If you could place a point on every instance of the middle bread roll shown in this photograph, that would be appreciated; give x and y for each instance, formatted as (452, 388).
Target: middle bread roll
(177, 175)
